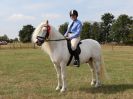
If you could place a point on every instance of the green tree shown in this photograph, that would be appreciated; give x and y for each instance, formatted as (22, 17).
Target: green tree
(107, 20)
(63, 28)
(130, 36)
(26, 33)
(121, 28)
(96, 30)
(86, 30)
(4, 37)
(16, 39)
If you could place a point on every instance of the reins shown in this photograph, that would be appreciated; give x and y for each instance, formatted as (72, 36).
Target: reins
(57, 40)
(48, 32)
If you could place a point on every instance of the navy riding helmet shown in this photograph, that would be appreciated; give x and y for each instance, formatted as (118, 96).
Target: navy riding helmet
(73, 12)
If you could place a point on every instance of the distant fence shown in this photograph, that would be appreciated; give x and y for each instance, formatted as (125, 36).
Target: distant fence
(18, 46)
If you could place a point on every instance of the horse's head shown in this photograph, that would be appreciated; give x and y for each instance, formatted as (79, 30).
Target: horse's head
(41, 33)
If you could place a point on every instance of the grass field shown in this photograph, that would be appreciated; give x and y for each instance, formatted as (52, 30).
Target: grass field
(29, 74)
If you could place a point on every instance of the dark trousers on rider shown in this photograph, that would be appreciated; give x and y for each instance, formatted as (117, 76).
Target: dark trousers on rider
(74, 43)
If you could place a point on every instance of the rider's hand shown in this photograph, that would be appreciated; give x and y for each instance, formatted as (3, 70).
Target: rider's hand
(67, 38)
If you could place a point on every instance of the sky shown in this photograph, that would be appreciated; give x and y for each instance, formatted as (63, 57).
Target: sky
(14, 14)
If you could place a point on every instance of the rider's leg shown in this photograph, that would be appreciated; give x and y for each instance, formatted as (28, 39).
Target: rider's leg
(74, 43)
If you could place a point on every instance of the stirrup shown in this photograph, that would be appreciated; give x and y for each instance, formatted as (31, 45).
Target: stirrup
(76, 63)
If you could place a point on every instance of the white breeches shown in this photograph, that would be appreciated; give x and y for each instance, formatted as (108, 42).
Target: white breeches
(74, 42)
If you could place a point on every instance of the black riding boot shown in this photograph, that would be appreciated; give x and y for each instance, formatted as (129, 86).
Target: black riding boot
(76, 61)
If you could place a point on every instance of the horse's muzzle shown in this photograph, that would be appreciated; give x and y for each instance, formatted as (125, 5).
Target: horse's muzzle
(38, 43)
(40, 40)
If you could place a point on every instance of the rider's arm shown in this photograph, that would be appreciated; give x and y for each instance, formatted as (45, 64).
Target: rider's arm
(68, 28)
(66, 33)
(76, 32)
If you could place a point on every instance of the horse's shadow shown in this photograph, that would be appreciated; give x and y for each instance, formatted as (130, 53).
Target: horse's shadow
(108, 89)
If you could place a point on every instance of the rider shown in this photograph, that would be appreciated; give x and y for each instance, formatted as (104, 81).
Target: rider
(73, 34)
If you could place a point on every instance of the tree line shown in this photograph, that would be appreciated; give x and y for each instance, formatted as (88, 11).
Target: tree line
(118, 30)
(110, 29)
(6, 38)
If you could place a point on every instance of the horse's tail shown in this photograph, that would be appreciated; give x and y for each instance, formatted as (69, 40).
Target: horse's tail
(103, 72)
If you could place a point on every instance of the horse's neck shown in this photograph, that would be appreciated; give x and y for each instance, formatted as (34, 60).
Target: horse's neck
(51, 46)
(54, 35)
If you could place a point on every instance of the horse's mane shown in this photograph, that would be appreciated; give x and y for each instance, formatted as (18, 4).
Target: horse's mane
(54, 34)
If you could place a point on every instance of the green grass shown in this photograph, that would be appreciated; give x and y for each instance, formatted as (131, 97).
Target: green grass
(29, 74)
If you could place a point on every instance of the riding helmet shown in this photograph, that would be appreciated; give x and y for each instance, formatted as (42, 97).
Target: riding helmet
(73, 12)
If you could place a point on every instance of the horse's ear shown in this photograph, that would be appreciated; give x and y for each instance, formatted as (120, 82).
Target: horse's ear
(47, 22)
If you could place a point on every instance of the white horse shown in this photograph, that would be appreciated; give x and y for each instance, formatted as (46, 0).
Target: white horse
(56, 47)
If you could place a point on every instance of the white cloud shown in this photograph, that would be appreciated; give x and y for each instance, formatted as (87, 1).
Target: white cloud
(45, 5)
(52, 16)
(79, 1)
(16, 17)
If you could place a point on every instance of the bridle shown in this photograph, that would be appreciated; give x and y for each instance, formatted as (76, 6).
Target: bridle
(42, 39)
(47, 34)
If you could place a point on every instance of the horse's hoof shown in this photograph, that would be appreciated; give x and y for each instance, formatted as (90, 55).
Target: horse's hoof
(58, 88)
(93, 83)
(98, 85)
(63, 90)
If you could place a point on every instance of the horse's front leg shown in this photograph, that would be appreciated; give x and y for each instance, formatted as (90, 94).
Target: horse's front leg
(58, 70)
(63, 76)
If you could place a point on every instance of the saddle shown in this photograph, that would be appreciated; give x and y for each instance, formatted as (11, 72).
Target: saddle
(71, 51)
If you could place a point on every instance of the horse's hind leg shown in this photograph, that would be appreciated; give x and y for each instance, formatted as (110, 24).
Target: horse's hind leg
(96, 64)
(90, 63)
